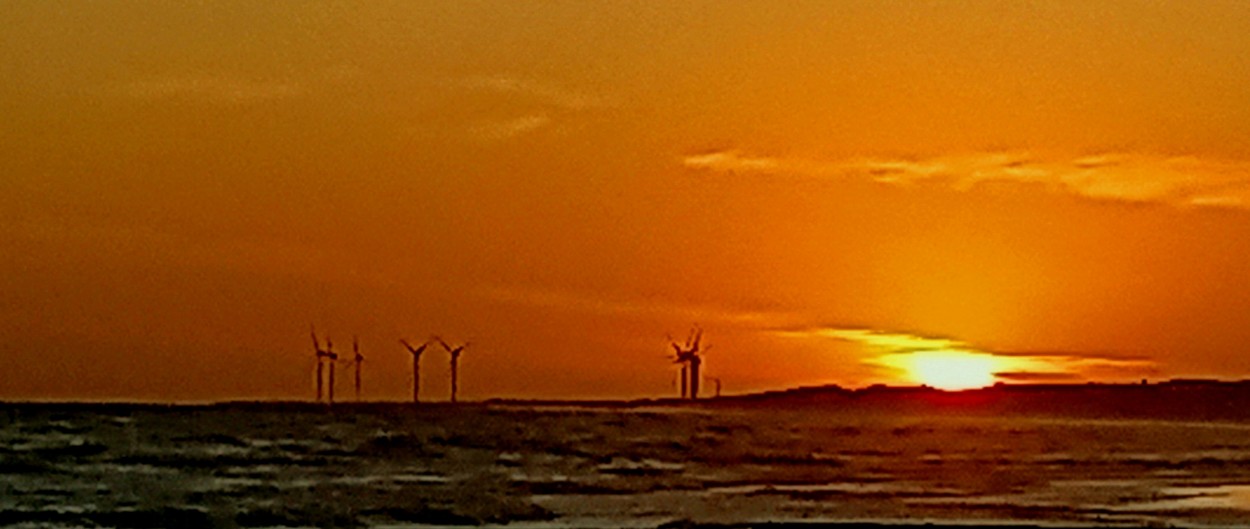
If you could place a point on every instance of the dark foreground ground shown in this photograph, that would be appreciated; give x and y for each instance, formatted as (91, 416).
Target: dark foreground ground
(716, 465)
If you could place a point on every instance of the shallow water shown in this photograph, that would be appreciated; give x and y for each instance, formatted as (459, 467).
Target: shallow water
(393, 466)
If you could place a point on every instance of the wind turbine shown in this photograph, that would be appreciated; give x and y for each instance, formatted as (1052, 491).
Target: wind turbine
(332, 358)
(416, 367)
(320, 354)
(358, 360)
(455, 362)
(696, 363)
(678, 358)
(689, 356)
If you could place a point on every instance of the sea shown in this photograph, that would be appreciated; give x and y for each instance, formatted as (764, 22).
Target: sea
(516, 465)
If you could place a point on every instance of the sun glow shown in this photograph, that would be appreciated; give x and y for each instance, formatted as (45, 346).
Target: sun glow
(951, 364)
(950, 370)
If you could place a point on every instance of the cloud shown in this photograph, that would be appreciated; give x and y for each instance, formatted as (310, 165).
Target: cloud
(509, 128)
(1183, 181)
(210, 89)
(546, 94)
(896, 350)
(730, 161)
(536, 105)
(886, 341)
(631, 307)
(1037, 377)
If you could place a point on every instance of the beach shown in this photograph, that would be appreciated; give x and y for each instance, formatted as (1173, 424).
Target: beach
(393, 465)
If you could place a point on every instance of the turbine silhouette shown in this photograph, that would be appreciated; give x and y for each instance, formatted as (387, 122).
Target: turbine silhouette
(331, 357)
(688, 357)
(357, 362)
(416, 367)
(455, 363)
(321, 354)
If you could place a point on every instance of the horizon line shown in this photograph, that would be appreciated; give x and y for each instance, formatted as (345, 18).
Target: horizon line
(610, 400)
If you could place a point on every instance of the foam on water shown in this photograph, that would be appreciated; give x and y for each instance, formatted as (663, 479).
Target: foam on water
(1191, 498)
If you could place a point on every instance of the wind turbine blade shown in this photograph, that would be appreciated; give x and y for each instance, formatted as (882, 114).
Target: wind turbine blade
(313, 331)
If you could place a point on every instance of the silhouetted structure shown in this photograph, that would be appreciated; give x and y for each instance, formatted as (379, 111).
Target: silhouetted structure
(455, 363)
(416, 367)
(717, 381)
(358, 361)
(695, 362)
(321, 354)
(331, 357)
(690, 361)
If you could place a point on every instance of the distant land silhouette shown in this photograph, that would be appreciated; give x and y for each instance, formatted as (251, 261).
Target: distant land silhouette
(1178, 399)
(1194, 399)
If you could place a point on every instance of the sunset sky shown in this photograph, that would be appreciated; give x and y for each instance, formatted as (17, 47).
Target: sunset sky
(837, 192)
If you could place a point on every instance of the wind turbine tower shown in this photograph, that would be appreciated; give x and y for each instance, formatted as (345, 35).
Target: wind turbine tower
(455, 363)
(320, 354)
(416, 367)
(688, 357)
(358, 361)
(331, 357)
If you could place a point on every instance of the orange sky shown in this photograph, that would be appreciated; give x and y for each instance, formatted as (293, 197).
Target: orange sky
(822, 186)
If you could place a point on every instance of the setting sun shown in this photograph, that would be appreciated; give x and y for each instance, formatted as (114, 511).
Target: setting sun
(947, 369)
(951, 370)
(937, 362)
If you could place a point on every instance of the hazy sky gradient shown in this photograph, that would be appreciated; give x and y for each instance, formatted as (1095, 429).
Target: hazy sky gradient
(185, 187)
